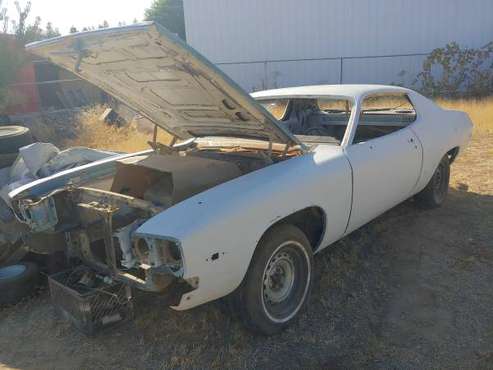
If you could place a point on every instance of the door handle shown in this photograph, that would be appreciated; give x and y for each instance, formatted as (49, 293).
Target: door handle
(411, 140)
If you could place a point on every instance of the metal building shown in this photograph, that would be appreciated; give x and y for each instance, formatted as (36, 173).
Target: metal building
(275, 43)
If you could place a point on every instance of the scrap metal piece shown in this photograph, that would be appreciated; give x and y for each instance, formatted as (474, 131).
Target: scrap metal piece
(109, 245)
(124, 240)
(40, 215)
(106, 212)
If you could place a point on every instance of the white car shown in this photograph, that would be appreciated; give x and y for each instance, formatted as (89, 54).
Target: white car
(249, 189)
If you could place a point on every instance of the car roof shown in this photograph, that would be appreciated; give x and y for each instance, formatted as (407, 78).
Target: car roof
(343, 91)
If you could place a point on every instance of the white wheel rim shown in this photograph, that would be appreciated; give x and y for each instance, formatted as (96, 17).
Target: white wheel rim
(281, 293)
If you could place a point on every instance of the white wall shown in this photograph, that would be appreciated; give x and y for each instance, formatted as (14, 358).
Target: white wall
(236, 31)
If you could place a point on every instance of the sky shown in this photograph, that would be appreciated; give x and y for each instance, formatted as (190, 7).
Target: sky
(83, 13)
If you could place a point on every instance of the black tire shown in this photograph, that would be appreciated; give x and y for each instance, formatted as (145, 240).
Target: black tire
(278, 281)
(17, 281)
(435, 192)
(7, 160)
(14, 137)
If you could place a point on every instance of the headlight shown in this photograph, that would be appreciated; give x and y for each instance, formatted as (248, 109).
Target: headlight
(156, 252)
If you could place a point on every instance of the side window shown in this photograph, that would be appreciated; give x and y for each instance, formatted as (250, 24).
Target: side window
(322, 119)
(382, 114)
(319, 120)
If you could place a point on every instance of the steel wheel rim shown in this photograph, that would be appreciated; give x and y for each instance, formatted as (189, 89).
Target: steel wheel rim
(279, 278)
(282, 301)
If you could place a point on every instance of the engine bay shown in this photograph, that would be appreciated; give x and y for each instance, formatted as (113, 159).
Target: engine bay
(95, 223)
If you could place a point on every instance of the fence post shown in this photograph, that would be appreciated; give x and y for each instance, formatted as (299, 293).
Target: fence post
(341, 71)
(266, 76)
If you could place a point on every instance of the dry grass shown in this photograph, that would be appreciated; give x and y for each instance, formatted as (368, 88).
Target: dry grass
(480, 111)
(93, 133)
(473, 171)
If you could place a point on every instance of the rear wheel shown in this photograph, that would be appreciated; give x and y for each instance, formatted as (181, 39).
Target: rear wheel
(435, 192)
(278, 281)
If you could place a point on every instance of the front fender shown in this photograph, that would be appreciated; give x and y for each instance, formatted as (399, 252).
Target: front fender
(220, 228)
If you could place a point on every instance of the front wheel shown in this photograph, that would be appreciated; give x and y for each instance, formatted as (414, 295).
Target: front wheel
(435, 192)
(278, 281)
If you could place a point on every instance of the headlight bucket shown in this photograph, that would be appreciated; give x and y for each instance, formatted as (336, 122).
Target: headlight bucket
(155, 252)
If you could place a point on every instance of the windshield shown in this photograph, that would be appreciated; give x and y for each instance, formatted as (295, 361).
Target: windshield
(276, 107)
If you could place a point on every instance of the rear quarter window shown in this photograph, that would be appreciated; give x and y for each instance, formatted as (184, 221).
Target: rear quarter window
(397, 106)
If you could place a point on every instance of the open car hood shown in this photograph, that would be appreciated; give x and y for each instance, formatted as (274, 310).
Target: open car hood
(165, 80)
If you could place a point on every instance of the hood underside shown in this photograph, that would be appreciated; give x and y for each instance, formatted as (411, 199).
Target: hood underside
(165, 80)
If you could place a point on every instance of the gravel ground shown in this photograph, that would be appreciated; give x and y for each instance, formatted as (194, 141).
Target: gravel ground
(411, 290)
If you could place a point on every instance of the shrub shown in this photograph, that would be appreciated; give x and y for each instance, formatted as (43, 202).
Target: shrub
(453, 71)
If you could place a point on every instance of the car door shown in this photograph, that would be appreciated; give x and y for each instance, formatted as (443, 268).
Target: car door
(385, 170)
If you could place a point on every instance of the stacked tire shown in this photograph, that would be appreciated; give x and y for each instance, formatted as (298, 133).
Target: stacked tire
(20, 280)
(11, 139)
(17, 281)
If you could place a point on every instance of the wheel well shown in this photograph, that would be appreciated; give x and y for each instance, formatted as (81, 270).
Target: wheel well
(310, 220)
(452, 154)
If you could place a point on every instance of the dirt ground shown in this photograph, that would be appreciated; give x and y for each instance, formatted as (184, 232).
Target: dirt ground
(411, 290)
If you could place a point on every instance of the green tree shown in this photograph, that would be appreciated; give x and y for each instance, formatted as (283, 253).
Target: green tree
(168, 13)
(10, 60)
(4, 20)
(51, 31)
(28, 32)
(105, 24)
(12, 57)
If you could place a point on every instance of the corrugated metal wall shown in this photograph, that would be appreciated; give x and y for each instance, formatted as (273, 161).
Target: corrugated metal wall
(266, 43)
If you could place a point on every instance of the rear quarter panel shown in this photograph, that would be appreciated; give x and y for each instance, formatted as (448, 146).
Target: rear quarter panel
(231, 218)
(439, 131)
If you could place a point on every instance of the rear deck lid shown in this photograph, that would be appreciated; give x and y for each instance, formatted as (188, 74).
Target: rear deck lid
(165, 80)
